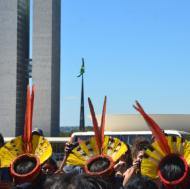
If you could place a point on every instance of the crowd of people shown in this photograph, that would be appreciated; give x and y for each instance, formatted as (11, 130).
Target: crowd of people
(100, 162)
(125, 174)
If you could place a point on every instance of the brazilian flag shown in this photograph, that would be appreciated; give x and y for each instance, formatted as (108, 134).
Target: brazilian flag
(82, 70)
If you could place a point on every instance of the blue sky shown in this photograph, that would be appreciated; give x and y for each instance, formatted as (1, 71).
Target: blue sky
(133, 49)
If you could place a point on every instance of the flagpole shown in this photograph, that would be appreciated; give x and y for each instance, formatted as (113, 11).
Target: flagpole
(82, 117)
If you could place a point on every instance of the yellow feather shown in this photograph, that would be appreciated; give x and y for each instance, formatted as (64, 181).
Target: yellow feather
(149, 168)
(116, 148)
(84, 147)
(114, 152)
(106, 141)
(41, 148)
(10, 151)
(94, 145)
(111, 144)
(153, 154)
(122, 150)
(78, 158)
(187, 151)
(174, 146)
(180, 145)
(170, 143)
(75, 159)
(158, 149)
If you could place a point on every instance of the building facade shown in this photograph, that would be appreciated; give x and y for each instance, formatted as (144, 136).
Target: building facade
(14, 53)
(46, 65)
(135, 122)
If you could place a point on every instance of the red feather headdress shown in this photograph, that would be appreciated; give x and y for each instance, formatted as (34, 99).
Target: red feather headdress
(99, 136)
(35, 149)
(99, 150)
(163, 150)
(99, 131)
(156, 130)
(27, 144)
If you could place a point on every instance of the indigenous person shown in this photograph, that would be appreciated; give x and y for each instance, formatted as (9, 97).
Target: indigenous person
(2, 142)
(50, 165)
(138, 150)
(167, 158)
(139, 147)
(5, 177)
(71, 168)
(37, 131)
(123, 163)
(140, 182)
(75, 181)
(25, 154)
(98, 155)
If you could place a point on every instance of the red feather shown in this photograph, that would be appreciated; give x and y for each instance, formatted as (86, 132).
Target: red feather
(95, 126)
(27, 137)
(29, 118)
(102, 127)
(154, 127)
(31, 112)
(26, 114)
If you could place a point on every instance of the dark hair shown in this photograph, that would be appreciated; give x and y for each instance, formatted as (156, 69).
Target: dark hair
(172, 168)
(140, 182)
(139, 144)
(52, 162)
(24, 165)
(37, 183)
(50, 166)
(89, 182)
(128, 155)
(2, 142)
(60, 181)
(74, 181)
(99, 164)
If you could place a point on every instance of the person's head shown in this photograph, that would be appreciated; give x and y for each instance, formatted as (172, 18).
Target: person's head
(74, 181)
(25, 168)
(49, 167)
(89, 182)
(100, 165)
(140, 182)
(139, 146)
(60, 181)
(174, 172)
(37, 131)
(2, 142)
(127, 157)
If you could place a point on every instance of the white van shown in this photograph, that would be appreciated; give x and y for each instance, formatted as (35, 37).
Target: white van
(127, 136)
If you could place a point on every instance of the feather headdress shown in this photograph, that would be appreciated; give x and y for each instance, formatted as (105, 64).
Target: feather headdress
(26, 148)
(162, 150)
(97, 148)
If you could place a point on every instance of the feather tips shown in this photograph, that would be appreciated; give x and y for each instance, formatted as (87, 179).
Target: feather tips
(102, 127)
(156, 131)
(95, 125)
(99, 131)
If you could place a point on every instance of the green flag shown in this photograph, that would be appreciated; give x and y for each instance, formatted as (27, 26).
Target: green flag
(82, 70)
